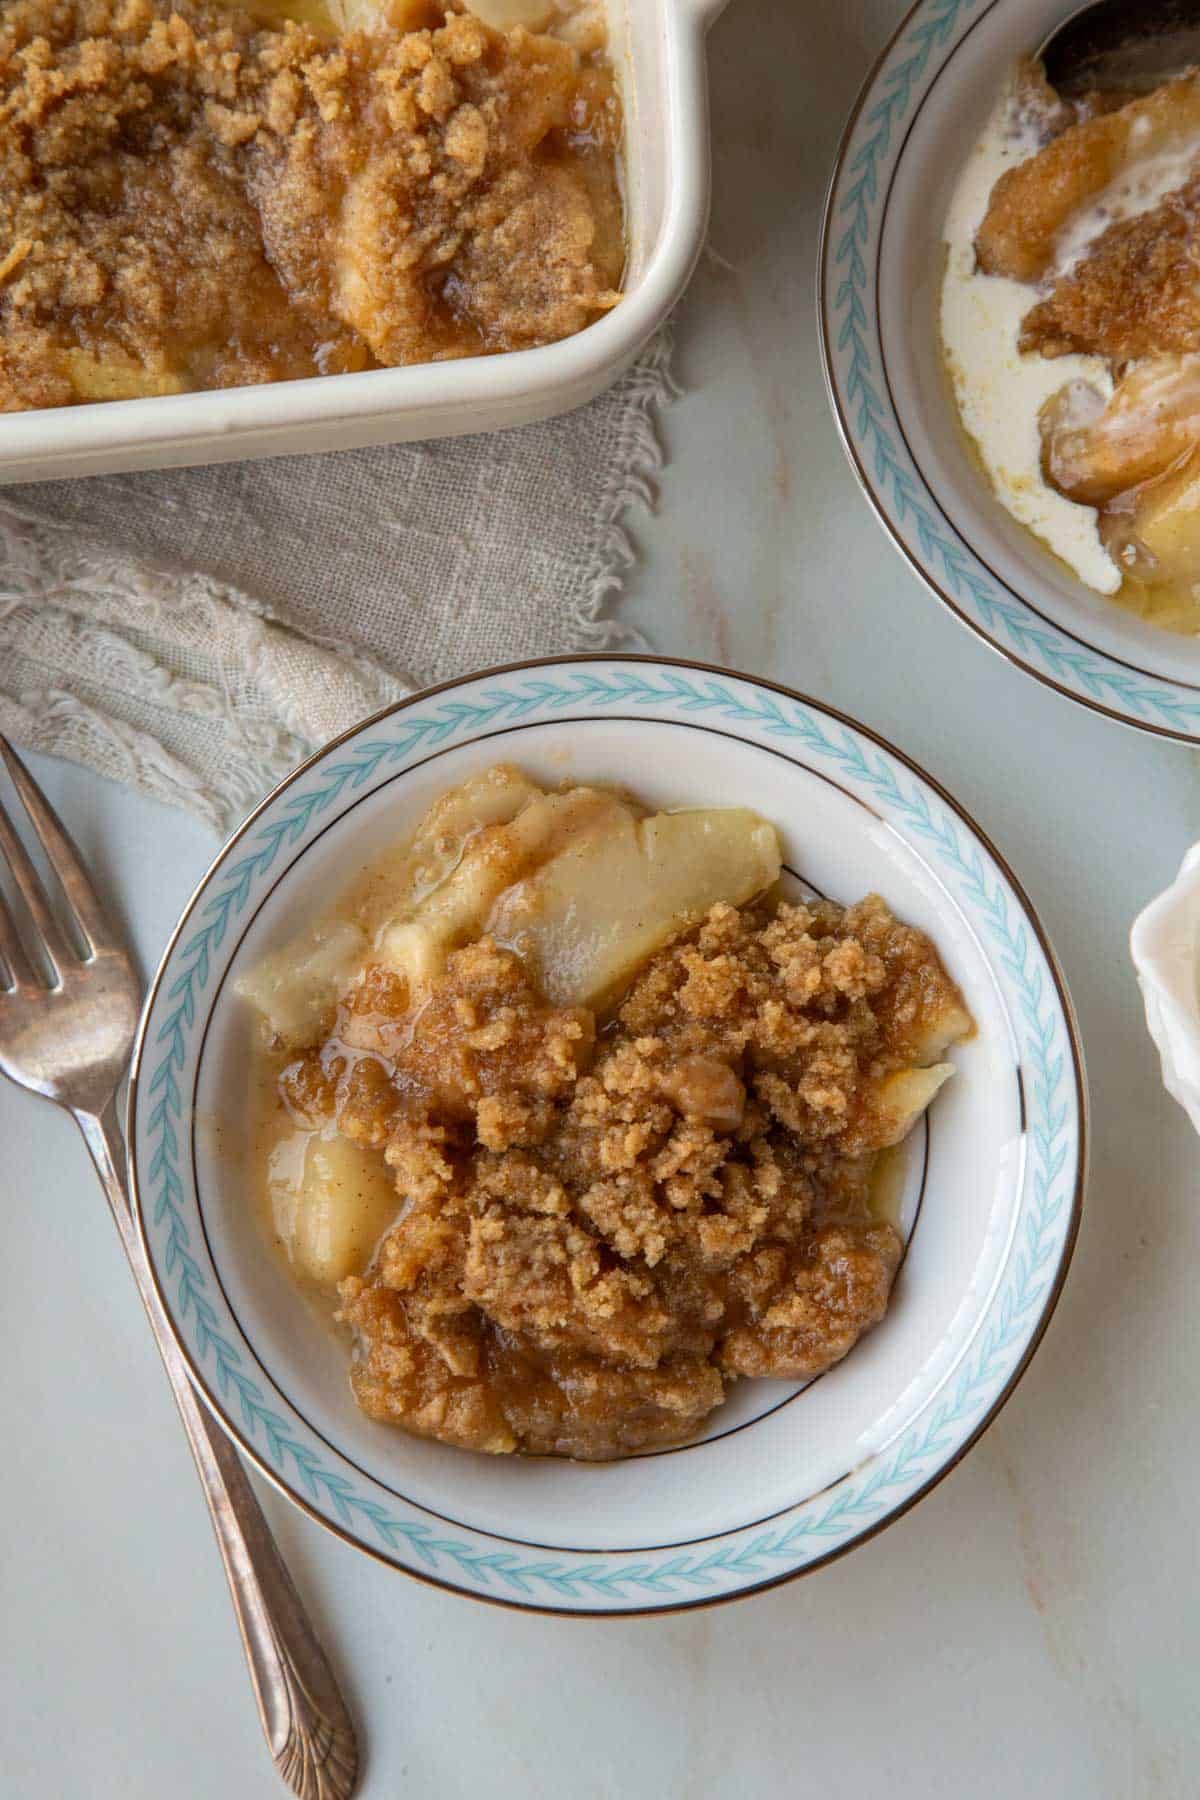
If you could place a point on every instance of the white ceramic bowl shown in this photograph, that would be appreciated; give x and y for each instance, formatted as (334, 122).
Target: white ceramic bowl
(921, 110)
(1165, 945)
(658, 47)
(786, 1477)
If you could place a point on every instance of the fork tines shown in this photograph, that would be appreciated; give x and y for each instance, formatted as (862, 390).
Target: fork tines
(50, 941)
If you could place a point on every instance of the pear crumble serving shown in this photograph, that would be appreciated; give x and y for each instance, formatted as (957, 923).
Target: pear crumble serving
(194, 195)
(1071, 324)
(579, 1119)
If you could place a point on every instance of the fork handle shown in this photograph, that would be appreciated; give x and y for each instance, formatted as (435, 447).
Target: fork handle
(304, 1718)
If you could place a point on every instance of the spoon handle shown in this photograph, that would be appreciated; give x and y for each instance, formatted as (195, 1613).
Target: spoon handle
(305, 1720)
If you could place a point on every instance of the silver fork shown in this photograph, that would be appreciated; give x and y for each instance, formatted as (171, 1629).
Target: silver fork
(68, 1014)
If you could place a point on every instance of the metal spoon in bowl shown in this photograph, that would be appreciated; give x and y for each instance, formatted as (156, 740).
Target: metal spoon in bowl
(1127, 45)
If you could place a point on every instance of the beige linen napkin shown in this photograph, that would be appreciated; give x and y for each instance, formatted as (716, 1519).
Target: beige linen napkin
(196, 633)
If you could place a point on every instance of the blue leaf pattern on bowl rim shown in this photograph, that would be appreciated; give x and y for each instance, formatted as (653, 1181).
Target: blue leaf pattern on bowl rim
(744, 1558)
(853, 364)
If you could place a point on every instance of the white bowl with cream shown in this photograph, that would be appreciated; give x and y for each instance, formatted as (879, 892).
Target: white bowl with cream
(658, 49)
(912, 178)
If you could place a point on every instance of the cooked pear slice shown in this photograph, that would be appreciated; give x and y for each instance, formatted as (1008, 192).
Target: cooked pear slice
(112, 374)
(506, 15)
(343, 16)
(583, 25)
(394, 887)
(1031, 203)
(947, 1024)
(893, 1103)
(358, 15)
(411, 15)
(1161, 540)
(493, 860)
(320, 16)
(491, 798)
(296, 989)
(1093, 450)
(331, 1202)
(589, 916)
(898, 1101)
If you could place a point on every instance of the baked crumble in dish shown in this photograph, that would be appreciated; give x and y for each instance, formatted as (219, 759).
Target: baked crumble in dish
(197, 195)
(1071, 321)
(578, 1118)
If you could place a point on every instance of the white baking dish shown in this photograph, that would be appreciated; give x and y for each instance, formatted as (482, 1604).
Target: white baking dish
(658, 46)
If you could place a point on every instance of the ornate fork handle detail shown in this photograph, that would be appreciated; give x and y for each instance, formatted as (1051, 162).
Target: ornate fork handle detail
(304, 1717)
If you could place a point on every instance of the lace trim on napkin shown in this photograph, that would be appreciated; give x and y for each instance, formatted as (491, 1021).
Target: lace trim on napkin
(202, 692)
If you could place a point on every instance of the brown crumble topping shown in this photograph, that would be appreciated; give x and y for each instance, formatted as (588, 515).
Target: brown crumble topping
(601, 1230)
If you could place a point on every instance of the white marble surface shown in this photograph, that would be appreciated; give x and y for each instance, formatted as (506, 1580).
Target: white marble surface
(1032, 1626)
